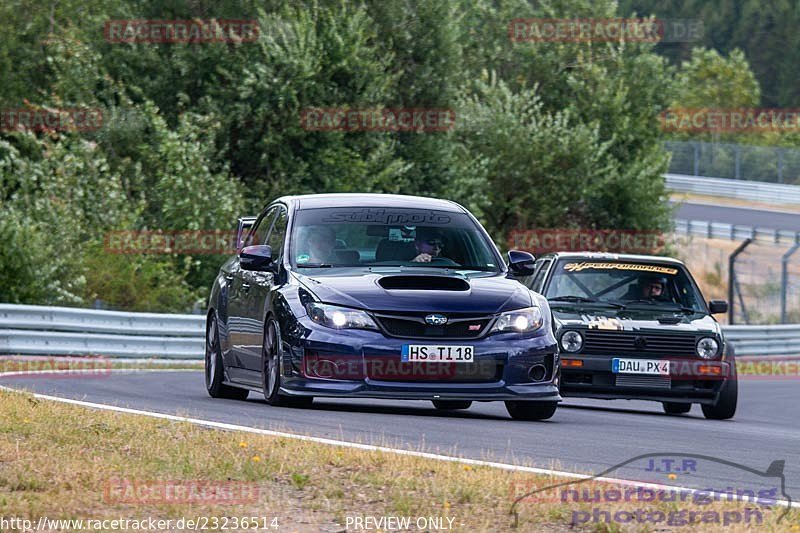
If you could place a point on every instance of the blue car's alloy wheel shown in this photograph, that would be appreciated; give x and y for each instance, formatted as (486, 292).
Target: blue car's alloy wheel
(214, 370)
(271, 371)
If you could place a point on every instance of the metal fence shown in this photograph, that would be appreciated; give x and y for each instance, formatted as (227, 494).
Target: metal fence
(766, 280)
(39, 330)
(735, 161)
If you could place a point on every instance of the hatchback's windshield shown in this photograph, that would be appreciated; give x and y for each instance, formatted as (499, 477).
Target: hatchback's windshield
(623, 282)
(368, 236)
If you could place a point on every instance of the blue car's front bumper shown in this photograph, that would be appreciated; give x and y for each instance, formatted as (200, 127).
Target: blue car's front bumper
(367, 364)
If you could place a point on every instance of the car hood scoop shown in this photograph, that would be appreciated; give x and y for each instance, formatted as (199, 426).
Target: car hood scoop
(423, 283)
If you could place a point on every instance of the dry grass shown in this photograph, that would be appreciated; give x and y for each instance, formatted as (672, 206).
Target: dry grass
(57, 460)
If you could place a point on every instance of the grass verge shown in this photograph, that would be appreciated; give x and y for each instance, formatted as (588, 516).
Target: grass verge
(68, 462)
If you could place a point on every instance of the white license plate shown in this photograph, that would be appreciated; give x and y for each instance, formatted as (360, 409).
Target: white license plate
(437, 354)
(640, 366)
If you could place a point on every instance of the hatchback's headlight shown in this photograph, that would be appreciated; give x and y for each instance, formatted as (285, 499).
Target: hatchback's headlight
(337, 317)
(571, 341)
(520, 321)
(707, 348)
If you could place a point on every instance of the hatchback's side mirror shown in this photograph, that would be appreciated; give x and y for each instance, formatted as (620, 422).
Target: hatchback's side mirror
(718, 306)
(520, 263)
(257, 257)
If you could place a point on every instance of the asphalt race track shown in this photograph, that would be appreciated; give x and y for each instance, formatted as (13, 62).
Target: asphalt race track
(586, 436)
(745, 216)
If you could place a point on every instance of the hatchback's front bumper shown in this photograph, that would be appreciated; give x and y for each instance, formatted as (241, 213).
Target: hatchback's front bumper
(691, 380)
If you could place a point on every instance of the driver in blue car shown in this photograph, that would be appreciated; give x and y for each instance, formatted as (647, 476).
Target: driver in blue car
(321, 242)
(429, 244)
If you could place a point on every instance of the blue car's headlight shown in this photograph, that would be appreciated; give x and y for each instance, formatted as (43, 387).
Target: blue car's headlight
(337, 317)
(520, 321)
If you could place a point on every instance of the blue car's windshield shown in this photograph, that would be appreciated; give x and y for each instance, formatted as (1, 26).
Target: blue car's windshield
(369, 236)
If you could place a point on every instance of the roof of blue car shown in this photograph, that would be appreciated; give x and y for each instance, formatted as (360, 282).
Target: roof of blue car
(314, 201)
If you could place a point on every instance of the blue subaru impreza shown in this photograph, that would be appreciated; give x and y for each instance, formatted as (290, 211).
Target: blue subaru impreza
(378, 296)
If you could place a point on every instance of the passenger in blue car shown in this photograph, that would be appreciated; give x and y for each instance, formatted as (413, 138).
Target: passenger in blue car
(429, 244)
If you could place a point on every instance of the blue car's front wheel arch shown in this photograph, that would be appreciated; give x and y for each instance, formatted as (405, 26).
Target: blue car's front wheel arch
(272, 364)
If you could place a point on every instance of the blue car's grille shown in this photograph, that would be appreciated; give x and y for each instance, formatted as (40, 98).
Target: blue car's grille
(462, 327)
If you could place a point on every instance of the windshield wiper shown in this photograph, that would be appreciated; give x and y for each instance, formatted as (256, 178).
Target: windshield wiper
(667, 306)
(454, 267)
(315, 265)
(583, 299)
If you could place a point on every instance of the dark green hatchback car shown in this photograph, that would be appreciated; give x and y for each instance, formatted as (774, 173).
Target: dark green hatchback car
(637, 327)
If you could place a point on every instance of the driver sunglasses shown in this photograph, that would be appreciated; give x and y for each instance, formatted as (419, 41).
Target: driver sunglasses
(435, 242)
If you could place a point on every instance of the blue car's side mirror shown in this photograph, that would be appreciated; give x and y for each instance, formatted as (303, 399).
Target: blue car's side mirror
(257, 257)
(520, 263)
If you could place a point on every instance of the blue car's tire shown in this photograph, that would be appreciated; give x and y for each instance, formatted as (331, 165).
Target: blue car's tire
(522, 410)
(214, 369)
(271, 372)
(450, 405)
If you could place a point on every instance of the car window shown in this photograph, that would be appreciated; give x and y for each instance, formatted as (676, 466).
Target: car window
(259, 233)
(366, 236)
(626, 282)
(278, 235)
(539, 274)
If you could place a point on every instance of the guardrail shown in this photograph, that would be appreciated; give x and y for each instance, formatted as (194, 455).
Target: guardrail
(757, 191)
(40, 330)
(781, 339)
(735, 232)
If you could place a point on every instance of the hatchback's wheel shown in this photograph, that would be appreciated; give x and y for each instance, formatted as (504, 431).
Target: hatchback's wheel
(522, 410)
(676, 408)
(213, 365)
(449, 405)
(271, 372)
(726, 403)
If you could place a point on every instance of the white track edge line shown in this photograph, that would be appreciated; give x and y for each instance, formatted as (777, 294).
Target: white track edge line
(366, 447)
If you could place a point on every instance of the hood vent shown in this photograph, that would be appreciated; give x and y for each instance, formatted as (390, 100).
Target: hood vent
(669, 319)
(423, 283)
